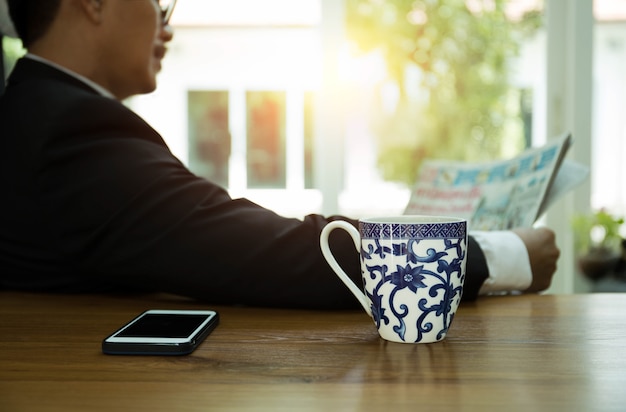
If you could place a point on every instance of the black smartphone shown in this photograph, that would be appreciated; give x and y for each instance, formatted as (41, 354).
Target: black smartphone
(162, 332)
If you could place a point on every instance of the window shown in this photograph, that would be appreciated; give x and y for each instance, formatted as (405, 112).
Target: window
(309, 142)
(266, 139)
(271, 156)
(209, 135)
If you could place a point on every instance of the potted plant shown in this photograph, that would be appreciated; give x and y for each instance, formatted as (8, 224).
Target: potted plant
(597, 241)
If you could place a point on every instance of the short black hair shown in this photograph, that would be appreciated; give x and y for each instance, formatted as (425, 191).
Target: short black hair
(31, 18)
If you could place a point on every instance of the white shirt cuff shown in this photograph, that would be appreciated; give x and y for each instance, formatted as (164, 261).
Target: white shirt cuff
(507, 261)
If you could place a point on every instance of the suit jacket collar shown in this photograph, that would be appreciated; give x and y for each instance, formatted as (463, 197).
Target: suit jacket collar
(27, 69)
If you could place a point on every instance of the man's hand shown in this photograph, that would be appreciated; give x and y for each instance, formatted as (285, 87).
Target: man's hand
(543, 254)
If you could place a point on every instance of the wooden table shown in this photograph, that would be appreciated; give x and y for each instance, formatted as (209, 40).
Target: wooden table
(523, 353)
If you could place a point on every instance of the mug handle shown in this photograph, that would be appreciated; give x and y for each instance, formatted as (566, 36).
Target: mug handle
(338, 224)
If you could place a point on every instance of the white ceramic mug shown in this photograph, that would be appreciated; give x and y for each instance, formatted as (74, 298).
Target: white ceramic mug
(413, 270)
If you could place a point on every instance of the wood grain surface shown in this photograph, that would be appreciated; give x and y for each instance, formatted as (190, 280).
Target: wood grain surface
(515, 353)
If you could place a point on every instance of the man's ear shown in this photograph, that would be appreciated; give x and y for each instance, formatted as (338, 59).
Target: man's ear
(92, 9)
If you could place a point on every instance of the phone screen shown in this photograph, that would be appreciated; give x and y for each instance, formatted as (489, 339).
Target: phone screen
(163, 326)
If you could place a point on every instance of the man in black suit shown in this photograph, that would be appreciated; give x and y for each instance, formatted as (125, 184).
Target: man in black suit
(93, 200)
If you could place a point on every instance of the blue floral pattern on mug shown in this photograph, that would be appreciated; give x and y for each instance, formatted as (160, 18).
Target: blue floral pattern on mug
(413, 274)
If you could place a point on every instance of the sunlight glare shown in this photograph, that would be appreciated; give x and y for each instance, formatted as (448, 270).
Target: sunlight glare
(247, 12)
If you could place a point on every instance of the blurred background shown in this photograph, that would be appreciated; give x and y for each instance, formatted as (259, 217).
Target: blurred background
(329, 106)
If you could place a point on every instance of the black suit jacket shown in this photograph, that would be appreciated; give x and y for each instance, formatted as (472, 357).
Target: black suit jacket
(93, 200)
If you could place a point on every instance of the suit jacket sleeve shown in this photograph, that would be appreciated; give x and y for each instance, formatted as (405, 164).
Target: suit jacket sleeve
(477, 270)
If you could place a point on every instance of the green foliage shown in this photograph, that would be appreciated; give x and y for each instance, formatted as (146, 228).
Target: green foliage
(464, 106)
(13, 50)
(597, 231)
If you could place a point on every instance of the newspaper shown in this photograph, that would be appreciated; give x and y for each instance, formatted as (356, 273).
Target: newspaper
(497, 195)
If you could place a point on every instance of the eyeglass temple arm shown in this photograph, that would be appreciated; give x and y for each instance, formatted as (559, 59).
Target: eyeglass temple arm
(168, 12)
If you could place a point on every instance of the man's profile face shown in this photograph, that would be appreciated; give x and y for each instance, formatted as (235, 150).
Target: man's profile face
(132, 45)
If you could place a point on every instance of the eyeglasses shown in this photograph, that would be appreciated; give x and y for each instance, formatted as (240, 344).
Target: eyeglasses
(167, 7)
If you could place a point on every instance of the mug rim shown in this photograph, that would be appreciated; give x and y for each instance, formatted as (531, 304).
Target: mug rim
(411, 219)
